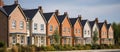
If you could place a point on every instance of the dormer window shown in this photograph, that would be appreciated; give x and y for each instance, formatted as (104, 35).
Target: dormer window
(13, 24)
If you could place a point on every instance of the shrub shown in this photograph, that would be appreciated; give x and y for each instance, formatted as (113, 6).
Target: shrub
(87, 46)
(2, 44)
(95, 46)
(50, 48)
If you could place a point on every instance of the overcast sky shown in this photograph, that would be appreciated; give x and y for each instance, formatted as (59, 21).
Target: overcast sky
(89, 9)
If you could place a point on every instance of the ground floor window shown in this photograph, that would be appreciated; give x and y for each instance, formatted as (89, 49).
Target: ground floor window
(42, 39)
(22, 39)
(14, 39)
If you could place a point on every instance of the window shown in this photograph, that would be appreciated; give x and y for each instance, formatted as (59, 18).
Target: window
(64, 29)
(35, 26)
(68, 29)
(14, 39)
(79, 31)
(42, 39)
(22, 39)
(75, 30)
(65, 41)
(51, 27)
(88, 32)
(42, 27)
(51, 41)
(21, 24)
(69, 41)
(85, 32)
(13, 24)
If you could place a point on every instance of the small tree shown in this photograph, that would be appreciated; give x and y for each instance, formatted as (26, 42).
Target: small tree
(56, 37)
(95, 38)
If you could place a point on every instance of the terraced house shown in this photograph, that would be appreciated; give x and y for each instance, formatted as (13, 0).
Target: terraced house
(95, 30)
(110, 34)
(86, 32)
(36, 27)
(65, 28)
(3, 26)
(77, 37)
(16, 24)
(52, 25)
(103, 32)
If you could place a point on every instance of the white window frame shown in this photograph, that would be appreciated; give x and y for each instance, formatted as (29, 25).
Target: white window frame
(22, 39)
(13, 24)
(42, 27)
(51, 28)
(14, 39)
(35, 26)
(21, 25)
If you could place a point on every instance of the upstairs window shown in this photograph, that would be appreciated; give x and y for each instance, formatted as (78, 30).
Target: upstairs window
(79, 31)
(85, 32)
(35, 26)
(13, 24)
(21, 24)
(42, 27)
(75, 30)
(69, 30)
(51, 28)
(64, 29)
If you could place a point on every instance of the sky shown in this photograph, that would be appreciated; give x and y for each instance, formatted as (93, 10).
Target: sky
(89, 9)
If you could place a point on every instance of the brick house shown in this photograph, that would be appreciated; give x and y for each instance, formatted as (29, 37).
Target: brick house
(86, 32)
(103, 32)
(36, 28)
(3, 26)
(51, 26)
(16, 24)
(110, 34)
(76, 31)
(65, 28)
(95, 29)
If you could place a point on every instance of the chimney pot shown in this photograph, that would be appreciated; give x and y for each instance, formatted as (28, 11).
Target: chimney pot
(65, 13)
(40, 7)
(57, 12)
(80, 17)
(1, 3)
(15, 1)
(96, 19)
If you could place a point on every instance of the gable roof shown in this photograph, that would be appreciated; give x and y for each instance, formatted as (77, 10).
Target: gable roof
(108, 26)
(91, 23)
(83, 22)
(1, 9)
(61, 18)
(48, 15)
(30, 13)
(100, 24)
(10, 8)
(73, 20)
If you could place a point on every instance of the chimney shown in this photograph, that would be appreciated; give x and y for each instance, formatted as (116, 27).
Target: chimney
(1, 3)
(105, 21)
(96, 19)
(40, 8)
(65, 13)
(57, 12)
(80, 17)
(15, 1)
